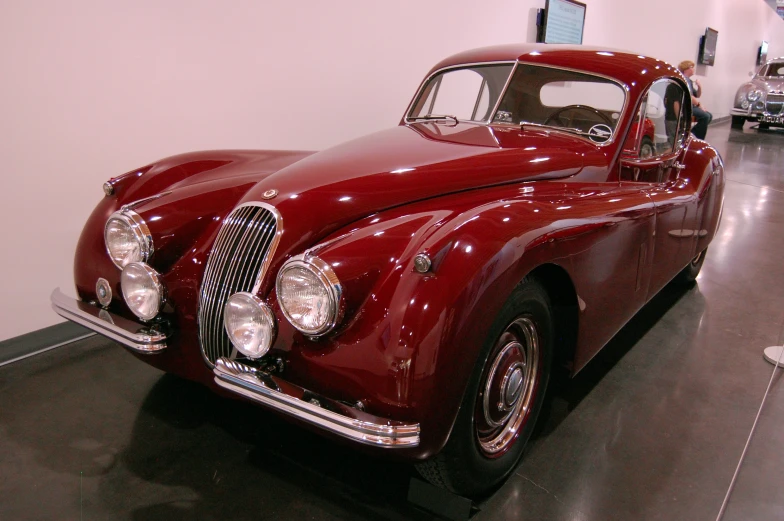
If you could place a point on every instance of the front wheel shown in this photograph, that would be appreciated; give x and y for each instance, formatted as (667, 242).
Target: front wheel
(689, 274)
(646, 148)
(502, 400)
(738, 121)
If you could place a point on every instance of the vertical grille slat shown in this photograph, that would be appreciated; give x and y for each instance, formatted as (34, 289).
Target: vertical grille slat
(246, 239)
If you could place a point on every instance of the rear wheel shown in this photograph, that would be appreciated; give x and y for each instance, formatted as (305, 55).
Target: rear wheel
(738, 121)
(502, 400)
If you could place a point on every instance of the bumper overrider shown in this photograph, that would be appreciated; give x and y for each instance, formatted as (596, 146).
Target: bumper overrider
(259, 386)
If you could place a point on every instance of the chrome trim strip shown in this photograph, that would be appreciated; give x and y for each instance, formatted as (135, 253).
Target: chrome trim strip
(138, 202)
(322, 412)
(139, 337)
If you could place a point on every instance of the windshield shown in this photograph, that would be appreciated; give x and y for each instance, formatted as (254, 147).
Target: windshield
(772, 70)
(465, 94)
(574, 101)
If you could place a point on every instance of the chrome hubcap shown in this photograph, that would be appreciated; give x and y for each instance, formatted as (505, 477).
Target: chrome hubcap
(508, 388)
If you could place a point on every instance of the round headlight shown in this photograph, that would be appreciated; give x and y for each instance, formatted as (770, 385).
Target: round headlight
(309, 294)
(127, 238)
(250, 324)
(142, 290)
(744, 104)
(754, 94)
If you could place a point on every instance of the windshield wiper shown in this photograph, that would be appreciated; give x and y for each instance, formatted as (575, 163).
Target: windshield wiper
(437, 117)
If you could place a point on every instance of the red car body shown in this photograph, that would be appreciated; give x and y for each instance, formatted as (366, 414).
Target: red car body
(489, 204)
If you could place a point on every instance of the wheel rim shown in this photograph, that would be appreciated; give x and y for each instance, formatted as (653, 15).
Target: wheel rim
(646, 151)
(508, 387)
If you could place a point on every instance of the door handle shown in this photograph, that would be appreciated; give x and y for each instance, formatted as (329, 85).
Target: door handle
(678, 166)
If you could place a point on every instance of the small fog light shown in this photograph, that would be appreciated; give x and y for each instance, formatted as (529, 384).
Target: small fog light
(250, 324)
(142, 290)
(104, 292)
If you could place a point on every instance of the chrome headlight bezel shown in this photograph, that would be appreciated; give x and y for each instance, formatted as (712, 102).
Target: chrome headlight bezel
(754, 94)
(325, 275)
(141, 233)
(155, 282)
(266, 315)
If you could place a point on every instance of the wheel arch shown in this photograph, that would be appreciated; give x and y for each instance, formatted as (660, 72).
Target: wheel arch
(563, 298)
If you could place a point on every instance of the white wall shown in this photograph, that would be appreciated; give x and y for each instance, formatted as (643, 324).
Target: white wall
(90, 89)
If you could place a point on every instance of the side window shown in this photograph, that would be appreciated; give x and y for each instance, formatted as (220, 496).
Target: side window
(664, 111)
(654, 131)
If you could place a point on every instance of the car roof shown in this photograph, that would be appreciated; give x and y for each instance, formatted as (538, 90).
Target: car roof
(625, 66)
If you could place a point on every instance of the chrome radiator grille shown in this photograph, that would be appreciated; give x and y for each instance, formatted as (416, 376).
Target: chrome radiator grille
(774, 104)
(246, 241)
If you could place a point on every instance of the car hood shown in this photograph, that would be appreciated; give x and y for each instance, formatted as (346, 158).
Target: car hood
(770, 84)
(335, 187)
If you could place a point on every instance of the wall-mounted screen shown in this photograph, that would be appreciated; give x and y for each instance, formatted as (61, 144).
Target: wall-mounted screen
(562, 22)
(708, 46)
(762, 53)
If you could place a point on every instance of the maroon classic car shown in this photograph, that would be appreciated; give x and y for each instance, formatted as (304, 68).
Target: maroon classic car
(411, 291)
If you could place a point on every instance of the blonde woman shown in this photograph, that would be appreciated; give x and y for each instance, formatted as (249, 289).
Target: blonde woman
(703, 116)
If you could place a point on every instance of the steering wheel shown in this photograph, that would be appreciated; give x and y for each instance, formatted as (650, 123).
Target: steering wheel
(556, 115)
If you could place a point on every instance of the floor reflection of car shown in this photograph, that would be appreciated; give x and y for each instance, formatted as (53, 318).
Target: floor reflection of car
(762, 98)
(412, 290)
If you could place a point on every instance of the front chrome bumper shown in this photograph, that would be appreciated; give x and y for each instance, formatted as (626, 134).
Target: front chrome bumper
(256, 385)
(761, 116)
(139, 337)
(327, 414)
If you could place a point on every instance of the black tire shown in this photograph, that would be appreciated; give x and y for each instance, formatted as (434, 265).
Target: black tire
(478, 455)
(689, 274)
(738, 121)
(646, 148)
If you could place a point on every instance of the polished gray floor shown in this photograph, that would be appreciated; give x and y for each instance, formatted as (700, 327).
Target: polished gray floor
(652, 429)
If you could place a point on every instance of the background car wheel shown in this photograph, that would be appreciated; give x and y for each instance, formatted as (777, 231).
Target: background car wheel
(502, 400)
(738, 121)
(646, 148)
(689, 274)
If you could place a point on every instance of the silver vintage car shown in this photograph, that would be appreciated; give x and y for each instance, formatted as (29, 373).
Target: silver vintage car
(762, 98)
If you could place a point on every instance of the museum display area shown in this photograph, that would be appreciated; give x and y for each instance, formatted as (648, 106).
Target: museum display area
(408, 308)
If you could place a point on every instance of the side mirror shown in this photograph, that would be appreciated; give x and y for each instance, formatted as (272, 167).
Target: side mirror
(751, 74)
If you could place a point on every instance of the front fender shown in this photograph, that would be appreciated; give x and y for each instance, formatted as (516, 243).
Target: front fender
(410, 340)
(200, 167)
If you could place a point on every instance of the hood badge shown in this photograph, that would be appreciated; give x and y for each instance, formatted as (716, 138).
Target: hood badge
(269, 194)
